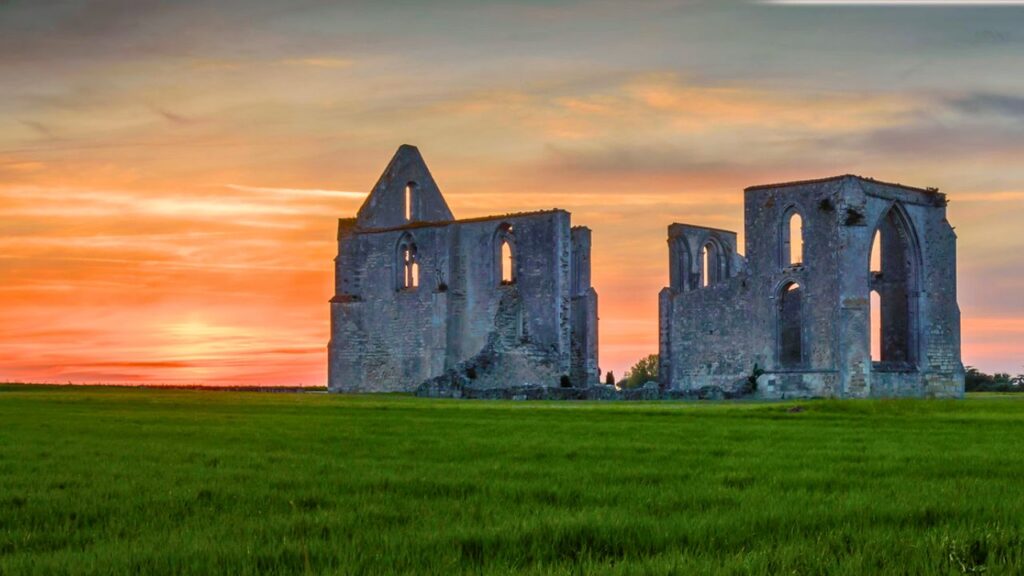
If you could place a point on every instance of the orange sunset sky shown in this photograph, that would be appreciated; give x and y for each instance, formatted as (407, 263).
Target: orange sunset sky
(171, 173)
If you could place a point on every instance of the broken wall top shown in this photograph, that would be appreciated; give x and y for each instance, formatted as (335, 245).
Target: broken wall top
(896, 191)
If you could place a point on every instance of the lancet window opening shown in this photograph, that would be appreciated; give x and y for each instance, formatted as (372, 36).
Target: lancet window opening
(408, 266)
(790, 325)
(791, 247)
(505, 255)
(894, 269)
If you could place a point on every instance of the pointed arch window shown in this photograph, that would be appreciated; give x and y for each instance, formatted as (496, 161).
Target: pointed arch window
(894, 267)
(408, 266)
(713, 267)
(791, 252)
(505, 255)
(790, 325)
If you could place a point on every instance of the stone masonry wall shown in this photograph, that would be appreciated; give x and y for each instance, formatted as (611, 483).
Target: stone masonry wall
(713, 335)
(585, 370)
(461, 316)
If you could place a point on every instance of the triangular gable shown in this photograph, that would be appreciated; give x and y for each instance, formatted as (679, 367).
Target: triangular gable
(385, 207)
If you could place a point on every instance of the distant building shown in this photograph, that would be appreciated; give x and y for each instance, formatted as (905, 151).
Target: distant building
(496, 301)
(798, 306)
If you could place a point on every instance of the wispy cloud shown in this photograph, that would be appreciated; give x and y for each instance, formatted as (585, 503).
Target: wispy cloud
(1005, 105)
(85, 202)
(297, 191)
(987, 197)
(38, 127)
(319, 62)
(171, 117)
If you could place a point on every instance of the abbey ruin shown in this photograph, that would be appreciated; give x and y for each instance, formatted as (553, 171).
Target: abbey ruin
(797, 305)
(482, 303)
(424, 302)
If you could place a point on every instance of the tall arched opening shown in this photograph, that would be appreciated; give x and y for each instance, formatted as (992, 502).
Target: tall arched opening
(790, 326)
(895, 277)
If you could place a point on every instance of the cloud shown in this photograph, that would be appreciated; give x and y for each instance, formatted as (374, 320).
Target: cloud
(938, 139)
(702, 106)
(138, 364)
(990, 103)
(171, 117)
(664, 103)
(60, 201)
(992, 197)
(38, 127)
(602, 158)
(319, 62)
(298, 191)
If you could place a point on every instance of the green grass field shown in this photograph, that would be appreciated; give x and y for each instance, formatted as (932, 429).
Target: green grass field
(119, 481)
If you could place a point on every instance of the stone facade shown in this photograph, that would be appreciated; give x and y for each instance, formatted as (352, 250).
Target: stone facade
(798, 305)
(494, 301)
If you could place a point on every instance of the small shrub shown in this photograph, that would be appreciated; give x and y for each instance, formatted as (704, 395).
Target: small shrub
(752, 379)
(644, 371)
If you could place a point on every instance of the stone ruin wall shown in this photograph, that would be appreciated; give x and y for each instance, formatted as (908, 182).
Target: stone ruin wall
(803, 325)
(715, 335)
(461, 321)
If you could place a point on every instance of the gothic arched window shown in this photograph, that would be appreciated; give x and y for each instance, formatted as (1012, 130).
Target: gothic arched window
(790, 325)
(504, 255)
(791, 251)
(408, 266)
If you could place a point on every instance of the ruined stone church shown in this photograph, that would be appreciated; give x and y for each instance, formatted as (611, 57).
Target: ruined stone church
(427, 302)
(487, 301)
(794, 313)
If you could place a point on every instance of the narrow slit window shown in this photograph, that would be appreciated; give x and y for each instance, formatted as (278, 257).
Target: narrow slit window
(796, 240)
(705, 277)
(504, 247)
(409, 190)
(506, 263)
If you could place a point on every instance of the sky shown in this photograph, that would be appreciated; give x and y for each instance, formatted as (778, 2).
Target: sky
(171, 173)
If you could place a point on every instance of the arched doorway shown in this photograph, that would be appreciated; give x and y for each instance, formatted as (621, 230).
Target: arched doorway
(790, 325)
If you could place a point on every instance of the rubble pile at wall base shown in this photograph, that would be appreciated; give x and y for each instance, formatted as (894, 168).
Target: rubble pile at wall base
(438, 388)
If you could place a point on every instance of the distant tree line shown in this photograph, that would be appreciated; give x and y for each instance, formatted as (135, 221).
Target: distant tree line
(644, 371)
(977, 381)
